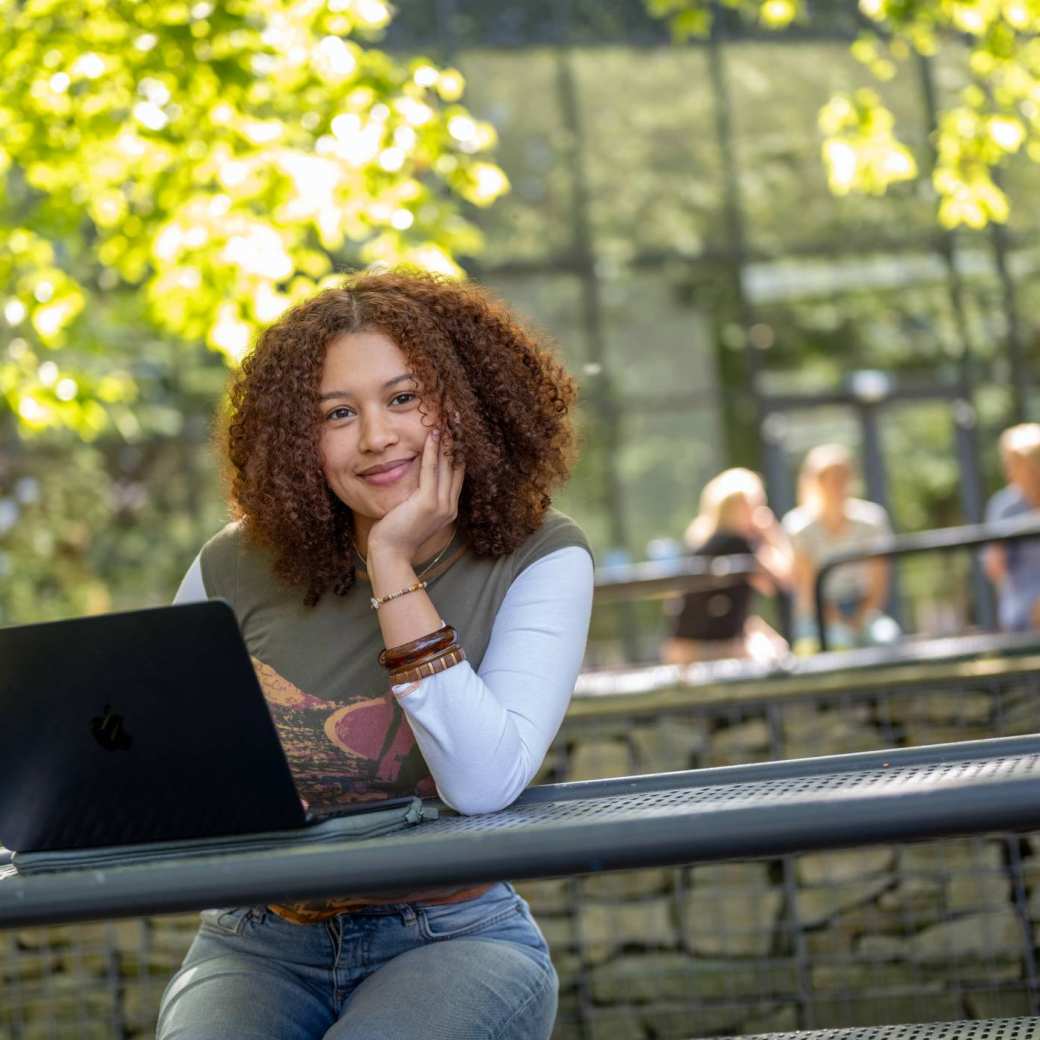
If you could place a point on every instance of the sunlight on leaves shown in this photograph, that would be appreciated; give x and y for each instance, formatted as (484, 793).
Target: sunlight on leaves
(860, 150)
(223, 159)
(994, 117)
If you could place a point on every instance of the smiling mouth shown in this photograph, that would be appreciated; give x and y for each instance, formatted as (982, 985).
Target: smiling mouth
(388, 474)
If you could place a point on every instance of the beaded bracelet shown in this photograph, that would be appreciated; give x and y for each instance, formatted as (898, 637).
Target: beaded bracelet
(442, 662)
(377, 602)
(409, 654)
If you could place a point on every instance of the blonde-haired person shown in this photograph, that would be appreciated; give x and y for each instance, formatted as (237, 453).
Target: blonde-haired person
(829, 520)
(1014, 567)
(716, 623)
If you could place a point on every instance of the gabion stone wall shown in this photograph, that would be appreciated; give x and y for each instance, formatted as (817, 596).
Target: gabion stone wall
(921, 932)
(934, 931)
(92, 981)
(942, 930)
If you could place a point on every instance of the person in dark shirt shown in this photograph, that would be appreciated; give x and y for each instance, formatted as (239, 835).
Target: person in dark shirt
(716, 622)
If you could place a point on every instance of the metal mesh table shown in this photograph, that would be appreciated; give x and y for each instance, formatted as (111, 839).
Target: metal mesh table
(736, 812)
(980, 1029)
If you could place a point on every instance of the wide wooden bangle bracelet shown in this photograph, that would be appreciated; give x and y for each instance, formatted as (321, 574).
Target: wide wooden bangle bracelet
(456, 655)
(410, 654)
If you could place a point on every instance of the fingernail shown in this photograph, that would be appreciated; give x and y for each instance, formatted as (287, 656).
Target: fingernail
(436, 434)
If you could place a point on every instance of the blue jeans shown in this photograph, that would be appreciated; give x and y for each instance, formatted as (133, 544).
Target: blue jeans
(474, 970)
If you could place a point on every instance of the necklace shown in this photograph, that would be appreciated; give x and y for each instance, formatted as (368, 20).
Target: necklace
(426, 570)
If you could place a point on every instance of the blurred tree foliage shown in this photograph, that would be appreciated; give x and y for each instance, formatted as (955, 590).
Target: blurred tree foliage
(219, 157)
(836, 282)
(172, 177)
(993, 117)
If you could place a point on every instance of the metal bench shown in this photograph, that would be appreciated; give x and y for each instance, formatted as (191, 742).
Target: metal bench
(980, 1029)
(695, 816)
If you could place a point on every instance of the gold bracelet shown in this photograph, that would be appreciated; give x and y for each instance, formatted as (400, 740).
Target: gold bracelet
(423, 671)
(378, 602)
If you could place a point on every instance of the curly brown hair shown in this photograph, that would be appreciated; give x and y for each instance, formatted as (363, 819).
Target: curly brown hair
(471, 357)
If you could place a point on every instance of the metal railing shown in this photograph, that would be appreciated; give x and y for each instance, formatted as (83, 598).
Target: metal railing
(657, 578)
(945, 539)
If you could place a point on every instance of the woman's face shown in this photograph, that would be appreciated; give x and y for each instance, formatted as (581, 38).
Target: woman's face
(372, 428)
(744, 515)
(834, 482)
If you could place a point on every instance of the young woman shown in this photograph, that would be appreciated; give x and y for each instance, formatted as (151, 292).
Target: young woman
(829, 520)
(716, 622)
(417, 616)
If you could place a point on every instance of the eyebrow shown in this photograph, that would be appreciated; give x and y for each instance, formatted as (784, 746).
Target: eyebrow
(386, 386)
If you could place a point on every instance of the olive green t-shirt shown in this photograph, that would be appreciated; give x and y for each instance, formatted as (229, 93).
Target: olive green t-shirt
(344, 734)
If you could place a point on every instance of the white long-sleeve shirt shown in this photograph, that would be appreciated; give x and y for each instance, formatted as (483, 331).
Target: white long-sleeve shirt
(484, 733)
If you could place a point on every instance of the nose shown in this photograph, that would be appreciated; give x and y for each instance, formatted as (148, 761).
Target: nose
(377, 431)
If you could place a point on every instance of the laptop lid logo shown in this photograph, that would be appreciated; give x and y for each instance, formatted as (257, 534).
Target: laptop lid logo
(108, 730)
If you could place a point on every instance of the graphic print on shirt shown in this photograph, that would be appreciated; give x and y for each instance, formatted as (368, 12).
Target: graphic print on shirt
(340, 752)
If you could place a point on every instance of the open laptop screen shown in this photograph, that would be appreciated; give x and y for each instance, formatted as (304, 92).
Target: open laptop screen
(147, 725)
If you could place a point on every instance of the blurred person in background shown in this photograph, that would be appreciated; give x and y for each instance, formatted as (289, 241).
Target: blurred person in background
(716, 623)
(1014, 567)
(829, 520)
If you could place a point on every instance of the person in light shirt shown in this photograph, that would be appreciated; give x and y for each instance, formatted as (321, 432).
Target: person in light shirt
(1014, 567)
(829, 520)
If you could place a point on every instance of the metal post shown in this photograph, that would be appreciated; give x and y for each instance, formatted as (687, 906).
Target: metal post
(874, 477)
(965, 430)
(946, 241)
(781, 497)
(1019, 369)
(876, 481)
(604, 399)
(749, 406)
(782, 493)
(964, 409)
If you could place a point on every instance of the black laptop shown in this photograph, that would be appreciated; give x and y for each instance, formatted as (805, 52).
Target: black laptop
(136, 727)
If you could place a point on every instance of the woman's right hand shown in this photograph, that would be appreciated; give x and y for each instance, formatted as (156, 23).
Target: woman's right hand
(430, 508)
